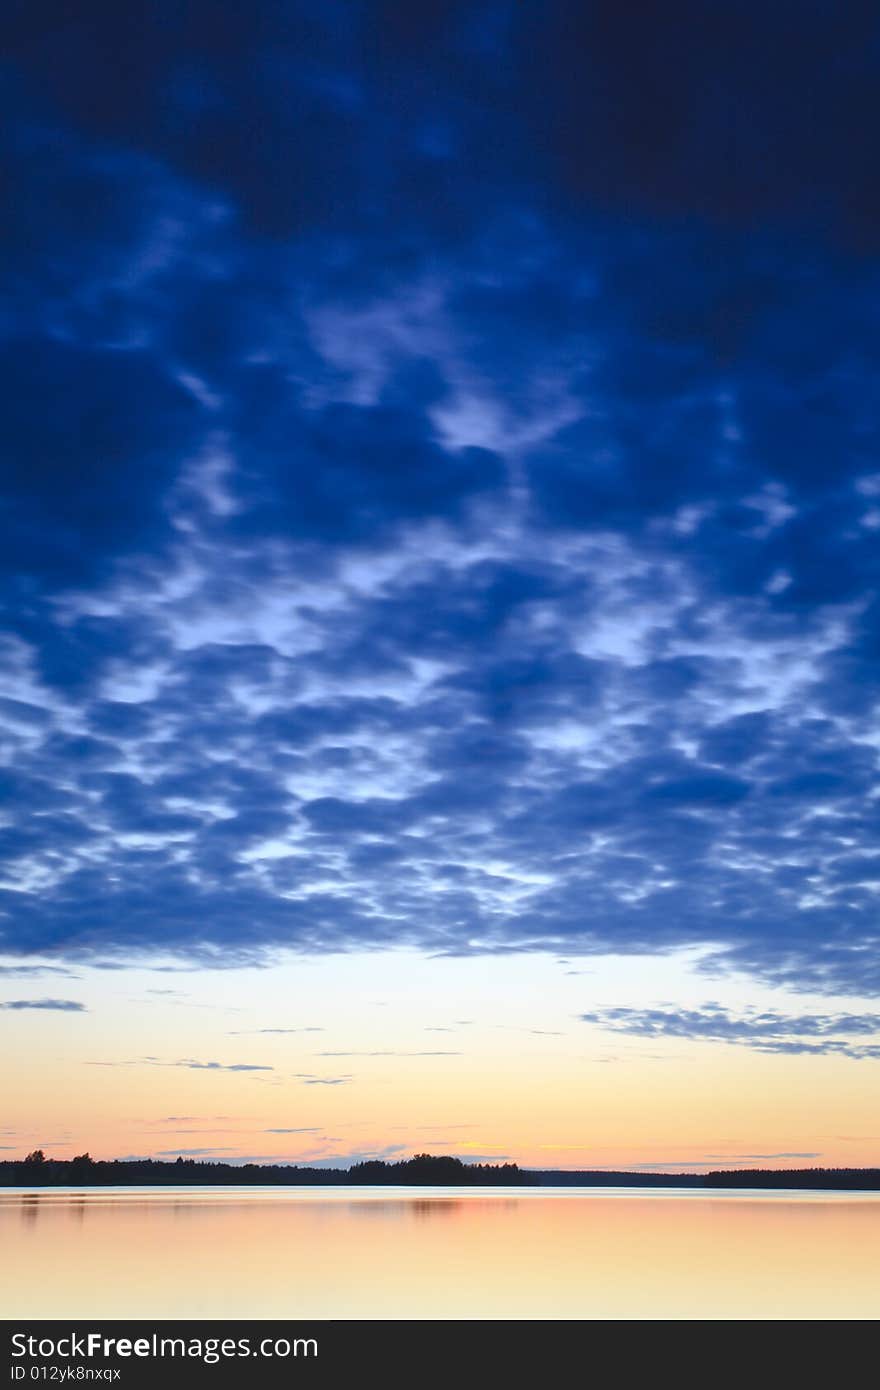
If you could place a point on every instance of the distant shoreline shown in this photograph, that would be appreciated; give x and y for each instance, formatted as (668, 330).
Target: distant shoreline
(422, 1170)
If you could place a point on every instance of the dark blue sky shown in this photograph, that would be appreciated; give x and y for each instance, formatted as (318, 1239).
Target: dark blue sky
(440, 481)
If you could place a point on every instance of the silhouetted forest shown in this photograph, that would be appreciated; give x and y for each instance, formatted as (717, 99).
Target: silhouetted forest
(428, 1170)
(422, 1169)
(589, 1177)
(851, 1179)
(841, 1179)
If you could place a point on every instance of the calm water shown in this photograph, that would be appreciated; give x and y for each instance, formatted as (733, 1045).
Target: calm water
(427, 1253)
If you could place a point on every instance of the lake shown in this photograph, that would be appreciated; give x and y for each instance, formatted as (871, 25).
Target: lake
(573, 1253)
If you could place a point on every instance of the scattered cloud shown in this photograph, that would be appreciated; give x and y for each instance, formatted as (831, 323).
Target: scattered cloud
(68, 1006)
(307, 1130)
(490, 566)
(240, 1032)
(684, 1165)
(188, 1119)
(23, 971)
(309, 1079)
(219, 1066)
(760, 1158)
(192, 1153)
(389, 1054)
(765, 1031)
(185, 1062)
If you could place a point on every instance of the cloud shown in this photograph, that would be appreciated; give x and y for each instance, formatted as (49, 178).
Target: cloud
(760, 1158)
(191, 1153)
(219, 1066)
(211, 1129)
(187, 1062)
(282, 1160)
(312, 1130)
(61, 1005)
(309, 1079)
(684, 1165)
(186, 1119)
(764, 1031)
(240, 1032)
(389, 1054)
(365, 435)
(388, 1152)
(27, 971)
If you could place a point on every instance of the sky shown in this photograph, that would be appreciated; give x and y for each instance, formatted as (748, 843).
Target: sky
(439, 656)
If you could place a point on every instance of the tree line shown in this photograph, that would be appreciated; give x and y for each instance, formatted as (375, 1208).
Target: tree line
(423, 1170)
(83, 1170)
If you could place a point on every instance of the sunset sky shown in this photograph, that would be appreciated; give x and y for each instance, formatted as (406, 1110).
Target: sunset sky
(441, 583)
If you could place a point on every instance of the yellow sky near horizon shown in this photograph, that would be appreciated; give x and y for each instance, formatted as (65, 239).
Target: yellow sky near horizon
(330, 1059)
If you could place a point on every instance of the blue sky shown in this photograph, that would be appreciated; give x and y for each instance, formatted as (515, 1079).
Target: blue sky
(441, 492)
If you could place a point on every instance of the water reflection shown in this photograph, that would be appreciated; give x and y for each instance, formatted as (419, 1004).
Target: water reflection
(30, 1208)
(416, 1208)
(424, 1210)
(344, 1254)
(394, 1211)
